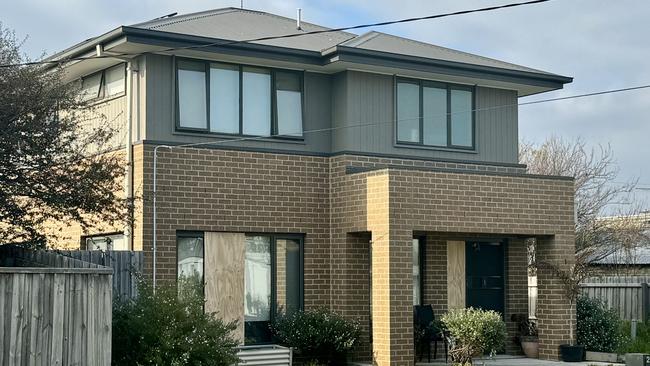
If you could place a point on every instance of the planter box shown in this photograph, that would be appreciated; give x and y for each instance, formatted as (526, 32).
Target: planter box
(601, 356)
(637, 359)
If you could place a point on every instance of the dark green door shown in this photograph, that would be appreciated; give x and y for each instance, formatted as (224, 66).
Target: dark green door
(484, 266)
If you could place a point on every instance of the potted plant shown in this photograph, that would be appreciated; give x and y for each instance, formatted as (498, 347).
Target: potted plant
(527, 335)
(473, 332)
(571, 279)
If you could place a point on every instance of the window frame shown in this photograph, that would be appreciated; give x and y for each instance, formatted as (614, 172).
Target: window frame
(441, 85)
(273, 241)
(102, 84)
(240, 68)
(85, 238)
(274, 284)
(191, 234)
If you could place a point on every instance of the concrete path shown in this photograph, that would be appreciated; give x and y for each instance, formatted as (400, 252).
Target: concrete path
(513, 361)
(521, 361)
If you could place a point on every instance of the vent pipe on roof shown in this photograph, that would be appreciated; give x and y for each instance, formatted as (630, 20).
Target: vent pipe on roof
(298, 16)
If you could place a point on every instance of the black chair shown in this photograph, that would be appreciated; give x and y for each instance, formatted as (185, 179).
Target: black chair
(424, 324)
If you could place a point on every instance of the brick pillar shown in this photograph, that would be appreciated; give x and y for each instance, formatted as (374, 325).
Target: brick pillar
(392, 272)
(516, 290)
(553, 310)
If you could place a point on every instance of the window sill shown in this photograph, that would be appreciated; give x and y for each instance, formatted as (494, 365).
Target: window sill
(94, 102)
(435, 148)
(242, 138)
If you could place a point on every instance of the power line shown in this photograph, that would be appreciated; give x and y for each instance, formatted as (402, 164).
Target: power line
(588, 94)
(291, 35)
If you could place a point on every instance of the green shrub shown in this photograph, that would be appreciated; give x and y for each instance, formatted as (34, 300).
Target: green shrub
(321, 336)
(598, 326)
(474, 332)
(642, 342)
(167, 329)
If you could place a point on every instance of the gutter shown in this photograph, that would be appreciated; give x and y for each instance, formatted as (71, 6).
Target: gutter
(388, 59)
(86, 46)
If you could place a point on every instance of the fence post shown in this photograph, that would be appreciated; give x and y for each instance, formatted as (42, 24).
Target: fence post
(645, 301)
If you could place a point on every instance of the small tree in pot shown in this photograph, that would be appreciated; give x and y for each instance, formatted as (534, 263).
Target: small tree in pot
(571, 279)
(527, 335)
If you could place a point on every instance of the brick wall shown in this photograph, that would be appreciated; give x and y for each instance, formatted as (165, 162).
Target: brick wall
(236, 191)
(340, 212)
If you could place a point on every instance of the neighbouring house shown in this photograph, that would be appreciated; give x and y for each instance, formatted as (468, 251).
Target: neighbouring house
(364, 173)
(627, 250)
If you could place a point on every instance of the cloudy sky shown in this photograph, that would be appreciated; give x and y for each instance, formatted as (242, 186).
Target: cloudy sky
(603, 44)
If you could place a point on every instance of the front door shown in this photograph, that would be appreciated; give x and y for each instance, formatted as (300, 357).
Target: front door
(484, 275)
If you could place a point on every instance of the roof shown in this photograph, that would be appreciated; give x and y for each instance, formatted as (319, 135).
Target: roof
(331, 51)
(235, 24)
(383, 42)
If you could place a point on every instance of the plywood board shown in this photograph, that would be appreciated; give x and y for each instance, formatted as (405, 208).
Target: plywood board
(224, 277)
(455, 275)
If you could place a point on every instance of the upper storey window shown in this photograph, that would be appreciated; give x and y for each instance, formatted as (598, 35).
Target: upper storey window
(239, 100)
(435, 114)
(104, 84)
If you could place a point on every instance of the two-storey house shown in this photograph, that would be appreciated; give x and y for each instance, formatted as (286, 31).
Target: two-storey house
(364, 173)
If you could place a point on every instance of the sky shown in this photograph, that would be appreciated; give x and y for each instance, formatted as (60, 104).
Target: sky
(603, 44)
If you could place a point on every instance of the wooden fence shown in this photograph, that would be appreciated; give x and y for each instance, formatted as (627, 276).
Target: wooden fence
(127, 266)
(627, 294)
(54, 310)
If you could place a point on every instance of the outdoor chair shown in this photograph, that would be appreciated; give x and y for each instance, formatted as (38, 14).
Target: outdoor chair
(427, 331)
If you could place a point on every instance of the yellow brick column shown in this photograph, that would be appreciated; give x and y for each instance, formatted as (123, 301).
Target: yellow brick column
(392, 293)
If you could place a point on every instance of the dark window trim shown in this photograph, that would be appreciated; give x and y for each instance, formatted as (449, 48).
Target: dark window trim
(421, 83)
(177, 119)
(240, 67)
(273, 240)
(192, 234)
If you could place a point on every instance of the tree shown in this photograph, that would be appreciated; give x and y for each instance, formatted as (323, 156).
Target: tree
(571, 278)
(52, 166)
(595, 174)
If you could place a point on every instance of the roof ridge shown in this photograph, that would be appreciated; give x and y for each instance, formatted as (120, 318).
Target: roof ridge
(189, 17)
(360, 39)
(461, 52)
(213, 12)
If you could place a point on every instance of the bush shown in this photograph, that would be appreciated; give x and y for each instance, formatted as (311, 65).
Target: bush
(167, 329)
(642, 342)
(474, 332)
(322, 336)
(598, 326)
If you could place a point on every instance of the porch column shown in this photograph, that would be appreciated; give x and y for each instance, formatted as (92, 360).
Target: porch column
(392, 279)
(553, 310)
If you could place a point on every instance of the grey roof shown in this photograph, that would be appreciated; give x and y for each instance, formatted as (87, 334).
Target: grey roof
(242, 24)
(378, 41)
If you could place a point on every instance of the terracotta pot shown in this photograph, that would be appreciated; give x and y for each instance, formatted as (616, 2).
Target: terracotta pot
(530, 346)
